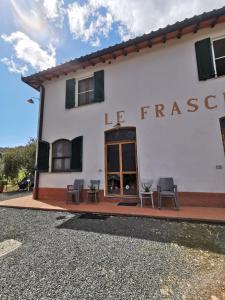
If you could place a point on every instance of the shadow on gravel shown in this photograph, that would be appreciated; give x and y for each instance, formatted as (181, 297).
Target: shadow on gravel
(193, 235)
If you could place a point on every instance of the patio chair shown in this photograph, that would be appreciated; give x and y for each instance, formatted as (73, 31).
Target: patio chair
(94, 190)
(167, 188)
(75, 190)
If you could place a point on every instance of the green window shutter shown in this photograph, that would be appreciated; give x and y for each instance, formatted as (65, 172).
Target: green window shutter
(43, 156)
(70, 93)
(204, 57)
(99, 86)
(77, 154)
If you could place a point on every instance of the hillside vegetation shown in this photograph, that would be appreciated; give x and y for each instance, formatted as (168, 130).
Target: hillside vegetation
(17, 162)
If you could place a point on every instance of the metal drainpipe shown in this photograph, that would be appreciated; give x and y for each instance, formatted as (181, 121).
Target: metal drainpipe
(39, 138)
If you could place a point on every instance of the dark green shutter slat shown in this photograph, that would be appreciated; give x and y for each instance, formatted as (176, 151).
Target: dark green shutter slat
(99, 86)
(77, 154)
(204, 57)
(43, 156)
(70, 93)
(222, 124)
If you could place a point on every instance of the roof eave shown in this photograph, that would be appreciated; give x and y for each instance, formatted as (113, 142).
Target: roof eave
(162, 35)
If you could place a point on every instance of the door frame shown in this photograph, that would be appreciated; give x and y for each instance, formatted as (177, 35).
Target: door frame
(120, 142)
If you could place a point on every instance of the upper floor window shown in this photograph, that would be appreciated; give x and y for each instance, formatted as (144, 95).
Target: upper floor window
(61, 155)
(210, 55)
(219, 55)
(86, 91)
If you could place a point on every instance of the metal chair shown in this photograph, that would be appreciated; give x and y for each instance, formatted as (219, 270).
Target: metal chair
(167, 188)
(94, 190)
(75, 190)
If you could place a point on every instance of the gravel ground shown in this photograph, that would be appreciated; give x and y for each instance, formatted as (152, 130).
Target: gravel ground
(65, 257)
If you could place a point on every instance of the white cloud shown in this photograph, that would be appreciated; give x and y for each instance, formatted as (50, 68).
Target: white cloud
(53, 8)
(94, 19)
(87, 23)
(29, 52)
(90, 21)
(54, 11)
(13, 67)
(40, 19)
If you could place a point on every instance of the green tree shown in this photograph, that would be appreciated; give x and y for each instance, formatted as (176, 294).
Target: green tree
(28, 154)
(1, 165)
(11, 164)
(19, 160)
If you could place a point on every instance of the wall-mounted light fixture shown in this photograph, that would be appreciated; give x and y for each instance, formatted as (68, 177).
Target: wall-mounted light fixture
(117, 126)
(31, 100)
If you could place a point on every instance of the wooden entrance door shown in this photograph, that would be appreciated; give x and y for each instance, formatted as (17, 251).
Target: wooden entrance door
(121, 167)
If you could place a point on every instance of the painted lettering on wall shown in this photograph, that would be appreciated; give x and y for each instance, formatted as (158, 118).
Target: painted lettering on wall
(160, 110)
(208, 103)
(193, 104)
(120, 116)
(144, 111)
(107, 122)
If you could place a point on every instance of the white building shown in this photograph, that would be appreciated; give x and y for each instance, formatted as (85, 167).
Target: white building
(150, 107)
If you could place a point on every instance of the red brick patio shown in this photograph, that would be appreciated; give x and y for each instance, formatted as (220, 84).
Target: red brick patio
(211, 214)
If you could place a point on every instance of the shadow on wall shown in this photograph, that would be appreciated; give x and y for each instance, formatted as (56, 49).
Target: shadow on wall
(193, 235)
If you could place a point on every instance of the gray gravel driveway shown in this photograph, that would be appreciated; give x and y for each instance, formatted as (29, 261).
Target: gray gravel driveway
(63, 256)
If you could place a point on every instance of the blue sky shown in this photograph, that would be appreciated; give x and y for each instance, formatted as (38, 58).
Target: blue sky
(38, 34)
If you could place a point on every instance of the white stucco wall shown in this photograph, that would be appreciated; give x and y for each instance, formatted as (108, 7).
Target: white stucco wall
(186, 146)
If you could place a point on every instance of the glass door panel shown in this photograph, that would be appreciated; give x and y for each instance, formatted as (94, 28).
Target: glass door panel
(113, 159)
(113, 184)
(128, 157)
(121, 169)
(129, 184)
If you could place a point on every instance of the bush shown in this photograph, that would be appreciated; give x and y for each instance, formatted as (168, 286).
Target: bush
(17, 161)
(3, 182)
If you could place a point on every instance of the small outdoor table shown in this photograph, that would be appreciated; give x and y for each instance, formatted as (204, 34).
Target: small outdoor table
(145, 195)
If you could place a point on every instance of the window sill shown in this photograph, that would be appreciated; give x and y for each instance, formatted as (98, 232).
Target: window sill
(217, 77)
(86, 104)
(212, 78)
(80, 106)
(66, 171)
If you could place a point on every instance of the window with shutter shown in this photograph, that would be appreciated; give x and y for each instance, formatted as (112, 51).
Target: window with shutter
(222, 127)
(99, 86)
(43, 156)
(86, 91)
(77, 154)
(61, 156)
(204, 59)
(219, 56)
(70, 93)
